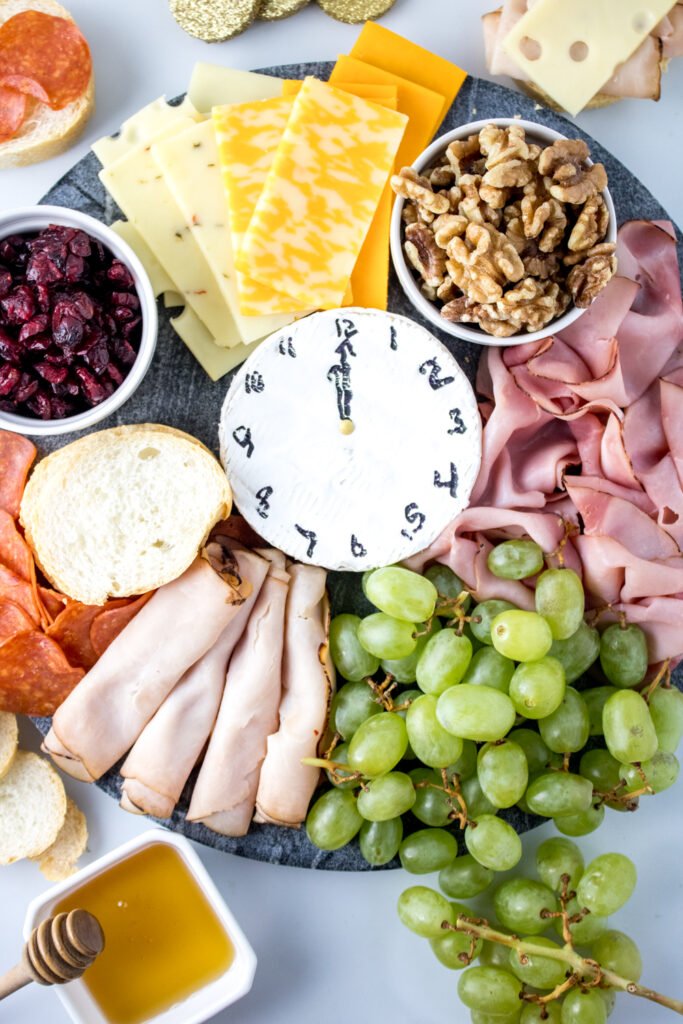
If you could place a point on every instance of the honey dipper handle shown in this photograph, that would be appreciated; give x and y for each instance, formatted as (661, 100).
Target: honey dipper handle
(14, 979)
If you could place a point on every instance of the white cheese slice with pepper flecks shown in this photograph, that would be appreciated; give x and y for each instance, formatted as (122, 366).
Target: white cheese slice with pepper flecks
(351, 439)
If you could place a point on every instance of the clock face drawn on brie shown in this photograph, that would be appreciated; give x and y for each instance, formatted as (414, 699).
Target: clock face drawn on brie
(351, 439)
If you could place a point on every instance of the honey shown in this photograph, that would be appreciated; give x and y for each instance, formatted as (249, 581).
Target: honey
(163, 940)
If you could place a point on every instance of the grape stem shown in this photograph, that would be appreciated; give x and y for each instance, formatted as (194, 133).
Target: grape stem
(663, 676)
(584, 971)
(451, 787)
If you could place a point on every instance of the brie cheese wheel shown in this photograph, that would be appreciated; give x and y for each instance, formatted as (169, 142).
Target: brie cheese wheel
(351, 439)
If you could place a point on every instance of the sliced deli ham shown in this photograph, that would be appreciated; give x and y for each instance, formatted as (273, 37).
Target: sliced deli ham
(224, 794)
(106, 713)
(45, 56)
(286, 785)
(171, 743)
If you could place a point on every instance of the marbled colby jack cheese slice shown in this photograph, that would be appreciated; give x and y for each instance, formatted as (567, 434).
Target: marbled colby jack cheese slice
(321, 194)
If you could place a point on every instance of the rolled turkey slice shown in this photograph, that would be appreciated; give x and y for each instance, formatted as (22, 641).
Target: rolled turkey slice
(224, 795)
(106, 712)
(171, 743)
(286, 785)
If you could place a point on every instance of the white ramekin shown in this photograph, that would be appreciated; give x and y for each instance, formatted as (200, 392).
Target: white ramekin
(536, 133)
(36, 218)
(201, 1005)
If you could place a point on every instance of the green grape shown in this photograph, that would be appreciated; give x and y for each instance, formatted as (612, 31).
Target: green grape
(401, 593)
(557, 857)
(464, 878)
(666, 709)
(560, 600)
(352, 705)
(448, 585)
(407, 698)
(493, 843)
(581, 824)
(378, 744)
(478, 1017)
(429, 740)
(494, 954)
(629, 733)
(534, 748)
(619, 953)
(603, 771)
(503, 772)
(341, 756)
(386, 797)
(364, 580)
(566, 729)
(476, 801)
(537, 688)
(451, 946)
(351, 660)
(476, 643)
(333, 820)
(489, 668)
(521, 636)
(428, 850)
(595, 700)
(532, 1013)
(475, 712)
(483, 616)
(609, 998)
(607, 883)
(380, 840)
(583, 1008)
(539, 971)
(585, 931)
(660, 772)
(490, 989)
(519, 904)
(578, 652)
(432, 806)
(443, 662)
(623, 654)
(404, 670)
(385, 637)
(557, 794)
(466, 765)
(515, 559)
(423, 910)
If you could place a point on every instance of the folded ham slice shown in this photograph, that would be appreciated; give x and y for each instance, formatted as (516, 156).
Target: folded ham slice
(171, 743)
(104, 715)
(224, 794)
(286, 785)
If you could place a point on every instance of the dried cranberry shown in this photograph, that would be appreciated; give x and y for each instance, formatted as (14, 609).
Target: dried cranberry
(43, 295)
(5, 283)
(61, 408)
(114, 374)
(41, 405)
(58, 356)
(83, 305)
(19, 306)
(11, 248)
(93, 391)
(42, 268)
(119, 273)
(125, 299)
(97, 358)
(39, 343)
(52, 374)
(124, 352)
(9, 378)
(67, 329)
(129, 329)
(80, 245)
(122, 314)
(35, 326)
(26, 388)
(10, 349)
(75, 268)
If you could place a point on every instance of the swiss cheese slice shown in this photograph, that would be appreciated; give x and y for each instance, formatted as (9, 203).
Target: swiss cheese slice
(155, 119)
(321, 194)
(212, 84)
(572, 49)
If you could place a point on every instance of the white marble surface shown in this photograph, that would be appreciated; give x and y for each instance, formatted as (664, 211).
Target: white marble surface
(330, 946)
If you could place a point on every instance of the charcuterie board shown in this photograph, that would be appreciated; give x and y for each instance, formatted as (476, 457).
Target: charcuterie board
(177, 392)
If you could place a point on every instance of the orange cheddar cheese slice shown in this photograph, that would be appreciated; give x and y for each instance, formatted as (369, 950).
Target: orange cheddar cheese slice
(386, 95)
(321, 194)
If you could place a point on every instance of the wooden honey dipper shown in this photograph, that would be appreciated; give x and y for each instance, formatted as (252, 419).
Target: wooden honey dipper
(59, 950)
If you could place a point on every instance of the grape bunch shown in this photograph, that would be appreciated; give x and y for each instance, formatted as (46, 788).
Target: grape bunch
(452, 713)
(527, 968)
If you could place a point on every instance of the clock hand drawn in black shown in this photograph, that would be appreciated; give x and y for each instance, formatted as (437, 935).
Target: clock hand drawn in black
(340, 376)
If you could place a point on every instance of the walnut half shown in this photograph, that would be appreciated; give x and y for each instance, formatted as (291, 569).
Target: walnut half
(587, 279)
(567, 174)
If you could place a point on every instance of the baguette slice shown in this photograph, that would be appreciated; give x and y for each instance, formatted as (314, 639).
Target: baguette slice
(45, 132)
(9, 741)
(32, 807)
(60, 859)
(122, 511)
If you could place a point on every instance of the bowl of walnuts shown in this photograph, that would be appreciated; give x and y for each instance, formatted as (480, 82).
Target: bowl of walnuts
(503, 229)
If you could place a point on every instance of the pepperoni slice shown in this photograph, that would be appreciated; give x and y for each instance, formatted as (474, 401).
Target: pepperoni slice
(12, 112)
(13, 620)
(21, 592)
(49, 51)
(35, 677)
(25, 85)
(16, 458)
(71, 630)
(15, 553)
(109, 623)
(52, 601)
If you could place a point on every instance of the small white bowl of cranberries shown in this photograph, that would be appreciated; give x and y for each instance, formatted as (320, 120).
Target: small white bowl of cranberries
(78, 321)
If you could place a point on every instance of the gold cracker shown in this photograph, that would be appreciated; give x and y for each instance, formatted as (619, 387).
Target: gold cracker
(214, 20)
(355, 11)
(273, 10)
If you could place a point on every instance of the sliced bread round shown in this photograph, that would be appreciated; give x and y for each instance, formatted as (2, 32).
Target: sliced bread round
(32, 807)
(9, 740)
(45, 132)
(59, 860)
(122, 511)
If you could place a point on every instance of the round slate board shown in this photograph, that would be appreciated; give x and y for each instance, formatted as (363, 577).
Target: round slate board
(176, 391)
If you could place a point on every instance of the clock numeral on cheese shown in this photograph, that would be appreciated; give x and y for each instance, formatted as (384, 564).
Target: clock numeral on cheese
(286, 348)
(416, 519)
(311, 537)
(357, 549)
(346, 329)
(451, 483)
(254, 382)
(242, 435)
(263, 504)
(459, 426)
(432, 367)
(393, 341)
